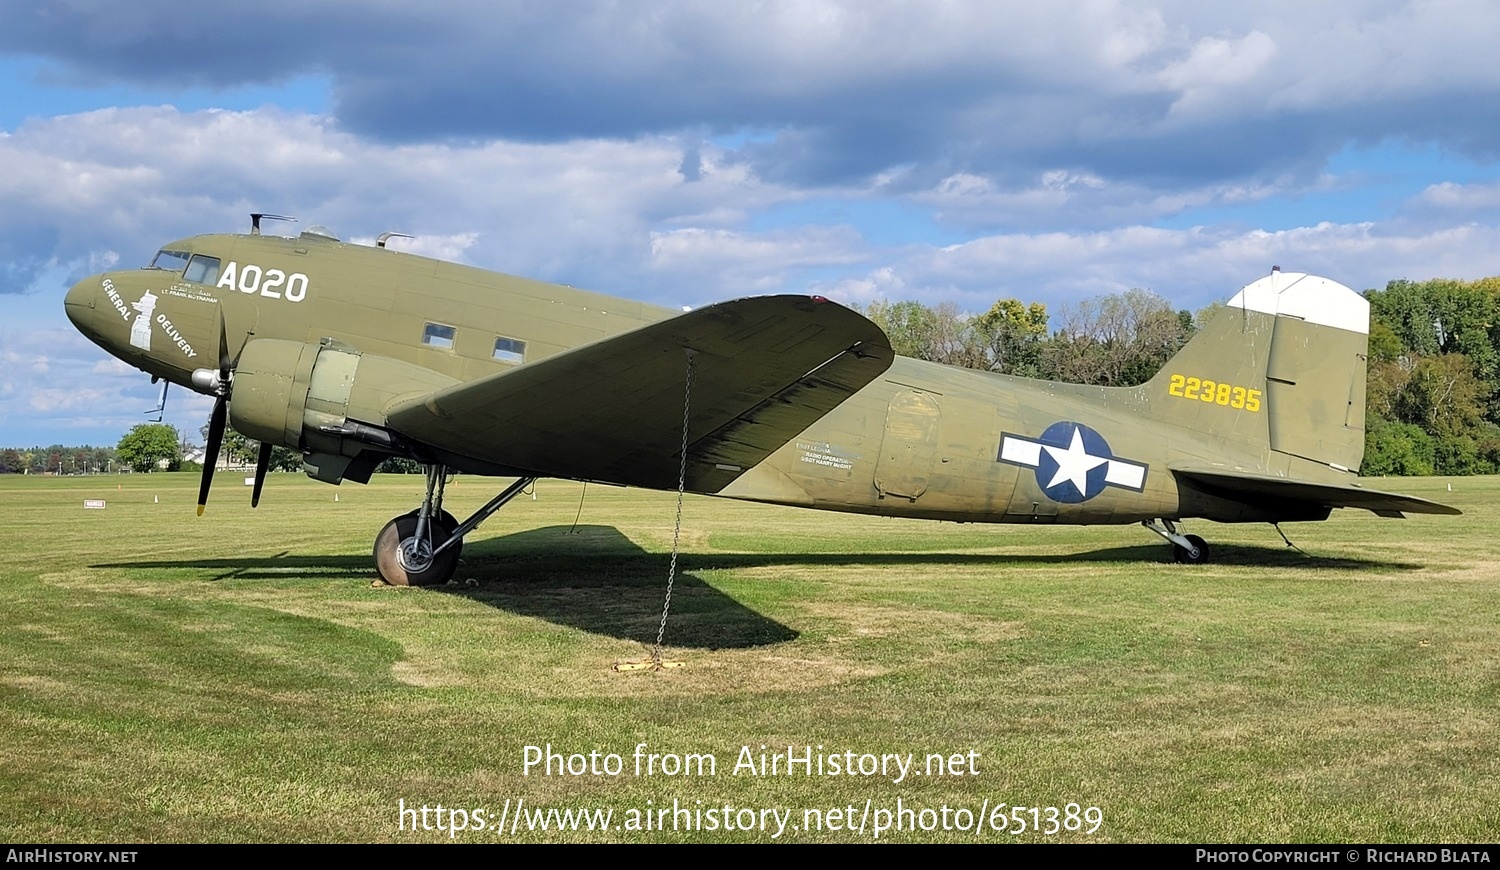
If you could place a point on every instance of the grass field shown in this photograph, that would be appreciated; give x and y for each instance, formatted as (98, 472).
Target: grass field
(238, 678)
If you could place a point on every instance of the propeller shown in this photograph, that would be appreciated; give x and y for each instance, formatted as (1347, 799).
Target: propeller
(262, 462)
(211, 454)
(219, 383)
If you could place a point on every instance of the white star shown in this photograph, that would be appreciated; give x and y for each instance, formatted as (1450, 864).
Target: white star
(1074, 463)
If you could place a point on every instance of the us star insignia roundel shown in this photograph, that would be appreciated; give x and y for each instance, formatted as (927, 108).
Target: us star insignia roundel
(1073, 463)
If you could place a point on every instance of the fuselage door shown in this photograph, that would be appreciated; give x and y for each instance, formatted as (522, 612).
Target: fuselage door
(909, 445)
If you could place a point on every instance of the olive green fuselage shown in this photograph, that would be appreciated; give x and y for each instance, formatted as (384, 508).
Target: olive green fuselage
(923, 440)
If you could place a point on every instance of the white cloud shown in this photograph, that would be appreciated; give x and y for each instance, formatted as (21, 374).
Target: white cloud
(847, 88)
(1214, 69)
(113, 367)
(685, 153)
(881, 283)
(571, 211)
(745, 263)
(1191, 267)
(1462, 199)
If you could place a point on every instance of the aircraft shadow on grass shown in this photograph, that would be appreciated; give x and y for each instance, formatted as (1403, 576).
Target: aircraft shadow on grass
(594, 578)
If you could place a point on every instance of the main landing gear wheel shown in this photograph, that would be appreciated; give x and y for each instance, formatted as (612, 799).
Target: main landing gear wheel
(1195, 556)
(404, 560)
(447, 523)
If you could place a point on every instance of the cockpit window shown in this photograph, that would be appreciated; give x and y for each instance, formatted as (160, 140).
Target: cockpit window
(169, 261)
(202, 270)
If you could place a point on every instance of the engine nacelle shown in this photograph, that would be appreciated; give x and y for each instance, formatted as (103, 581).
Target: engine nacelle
(325, 400)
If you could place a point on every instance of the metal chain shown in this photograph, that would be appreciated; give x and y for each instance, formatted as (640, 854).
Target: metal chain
(581, 494)
(666, 605)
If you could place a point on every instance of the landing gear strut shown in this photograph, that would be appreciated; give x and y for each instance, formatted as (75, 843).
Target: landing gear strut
(1187, 549)
(421, 548)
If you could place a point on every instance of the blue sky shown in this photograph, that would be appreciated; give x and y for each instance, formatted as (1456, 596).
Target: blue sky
(682, 152)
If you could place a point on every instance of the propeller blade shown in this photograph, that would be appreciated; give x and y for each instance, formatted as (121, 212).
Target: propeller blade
(262, 462)
(225, 363)
(211, 451)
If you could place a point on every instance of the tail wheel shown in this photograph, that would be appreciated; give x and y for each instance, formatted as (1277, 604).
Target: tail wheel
(1197, 555)
(404, 560)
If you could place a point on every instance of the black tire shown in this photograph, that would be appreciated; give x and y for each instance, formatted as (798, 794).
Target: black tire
(1186, 557)
(388, 559)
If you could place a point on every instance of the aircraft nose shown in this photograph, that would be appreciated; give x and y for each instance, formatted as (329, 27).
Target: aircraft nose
(79, 304)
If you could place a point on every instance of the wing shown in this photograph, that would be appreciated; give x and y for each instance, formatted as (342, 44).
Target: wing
(764, 369)
(1264, 489)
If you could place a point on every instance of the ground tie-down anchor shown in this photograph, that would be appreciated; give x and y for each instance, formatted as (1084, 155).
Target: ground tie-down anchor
(655, 662)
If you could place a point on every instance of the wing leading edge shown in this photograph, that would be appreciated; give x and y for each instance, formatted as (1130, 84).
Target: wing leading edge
(764, 369)
(1265, 489)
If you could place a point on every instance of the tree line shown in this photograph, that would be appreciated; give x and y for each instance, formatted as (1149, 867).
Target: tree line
(1117, 340)
(58, 459)
(1432, 405)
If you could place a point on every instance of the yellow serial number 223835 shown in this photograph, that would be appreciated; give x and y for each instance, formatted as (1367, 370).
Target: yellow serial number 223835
(1214, 393)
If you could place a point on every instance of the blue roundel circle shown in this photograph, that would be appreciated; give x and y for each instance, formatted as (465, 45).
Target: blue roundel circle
(1078, 454)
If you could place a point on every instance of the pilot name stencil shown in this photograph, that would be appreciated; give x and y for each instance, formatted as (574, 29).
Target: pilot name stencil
(825, 454)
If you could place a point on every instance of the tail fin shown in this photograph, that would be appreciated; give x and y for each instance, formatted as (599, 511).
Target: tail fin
(1286, 358)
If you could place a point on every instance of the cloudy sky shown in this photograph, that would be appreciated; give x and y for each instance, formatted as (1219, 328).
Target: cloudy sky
(684, 152)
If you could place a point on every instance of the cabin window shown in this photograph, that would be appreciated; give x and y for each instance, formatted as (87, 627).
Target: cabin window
(202, 270)
(511, 350)
(438, 335)
(169, 261)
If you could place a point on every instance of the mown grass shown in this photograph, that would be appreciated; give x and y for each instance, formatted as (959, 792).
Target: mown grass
(237, 677)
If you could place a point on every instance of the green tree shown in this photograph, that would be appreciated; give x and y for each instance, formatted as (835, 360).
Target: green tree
(239, 450)
(1443, 396)
(1385, 345)
(1397, 449)
(911, 326)
(103, 459)
(1442, 316)
(1117, 340)
(144, 447)
(1011, 334)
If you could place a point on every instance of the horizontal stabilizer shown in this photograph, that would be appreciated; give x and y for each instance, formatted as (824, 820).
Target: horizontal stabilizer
(764, 369)
(1245, 486)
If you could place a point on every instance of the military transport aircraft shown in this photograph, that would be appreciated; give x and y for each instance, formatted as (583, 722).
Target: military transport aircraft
(352, 353)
